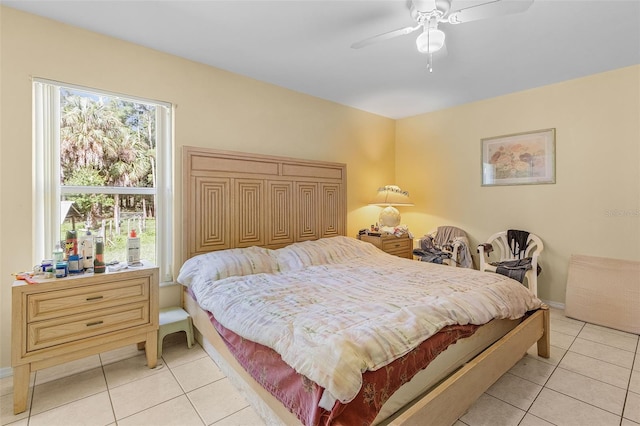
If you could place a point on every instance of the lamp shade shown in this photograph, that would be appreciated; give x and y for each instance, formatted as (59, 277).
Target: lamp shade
(430, 41)
(389, 196)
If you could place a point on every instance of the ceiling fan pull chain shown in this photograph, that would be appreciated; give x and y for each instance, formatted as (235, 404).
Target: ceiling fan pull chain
(429, 53)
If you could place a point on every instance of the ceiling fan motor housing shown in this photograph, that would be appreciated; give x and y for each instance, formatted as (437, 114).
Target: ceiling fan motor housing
(424, 8)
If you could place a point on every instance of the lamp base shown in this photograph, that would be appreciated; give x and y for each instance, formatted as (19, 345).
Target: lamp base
(389, 216)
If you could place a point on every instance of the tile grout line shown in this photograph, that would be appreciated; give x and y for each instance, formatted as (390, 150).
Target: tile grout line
(601, 360)
(148, 408)
(526, 411)
(544, 386)
(33, 392)
(621, 415)
(106, 382)
(184, 392)
(592, 378)
(626, 396)
(604, 344)
(588, 403)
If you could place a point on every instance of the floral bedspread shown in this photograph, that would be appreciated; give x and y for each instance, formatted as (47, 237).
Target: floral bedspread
(333, 321)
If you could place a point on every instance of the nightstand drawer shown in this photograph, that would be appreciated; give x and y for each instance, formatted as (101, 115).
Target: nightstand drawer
(401, 253)
(43, 334)
(392, 246)
(398, 246)
(58, 303)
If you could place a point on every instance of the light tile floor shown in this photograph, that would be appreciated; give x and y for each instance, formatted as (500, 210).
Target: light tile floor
(592, 378)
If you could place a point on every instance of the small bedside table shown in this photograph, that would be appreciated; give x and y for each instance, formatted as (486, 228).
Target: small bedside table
(397, 246)
(62, 319)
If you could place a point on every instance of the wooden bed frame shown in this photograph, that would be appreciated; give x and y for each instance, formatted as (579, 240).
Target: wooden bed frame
(238, 200)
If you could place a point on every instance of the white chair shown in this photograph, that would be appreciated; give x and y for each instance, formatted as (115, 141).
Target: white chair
(453, 241)
(504, 251)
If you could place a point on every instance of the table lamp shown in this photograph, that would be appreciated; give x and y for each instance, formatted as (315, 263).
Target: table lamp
(389, 196)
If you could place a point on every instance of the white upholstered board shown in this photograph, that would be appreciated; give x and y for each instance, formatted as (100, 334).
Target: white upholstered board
(604, 291)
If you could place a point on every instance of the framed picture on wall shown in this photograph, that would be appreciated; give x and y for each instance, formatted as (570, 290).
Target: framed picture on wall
(519, 159)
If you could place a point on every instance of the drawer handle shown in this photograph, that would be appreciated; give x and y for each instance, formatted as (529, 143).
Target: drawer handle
(94, 298)
(94, 323)
(397, 245)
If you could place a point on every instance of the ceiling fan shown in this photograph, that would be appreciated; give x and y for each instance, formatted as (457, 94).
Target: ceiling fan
(429, 13)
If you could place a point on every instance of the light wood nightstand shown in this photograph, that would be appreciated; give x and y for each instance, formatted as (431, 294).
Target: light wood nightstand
(62, 319)
(398, 246)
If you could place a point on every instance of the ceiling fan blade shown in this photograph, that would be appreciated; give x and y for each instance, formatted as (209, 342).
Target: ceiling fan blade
(488, 10)
(384, 36)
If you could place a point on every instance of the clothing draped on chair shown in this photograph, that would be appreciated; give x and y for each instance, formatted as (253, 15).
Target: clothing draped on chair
(436, 248)
(517, 268)
(517, 242)
(428, 253)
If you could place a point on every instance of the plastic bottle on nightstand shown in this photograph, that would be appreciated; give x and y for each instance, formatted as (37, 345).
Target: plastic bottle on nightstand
(58, 253)
(71, 244)
(98, 261)
(86, 249)
(74, 264)
(133, 249)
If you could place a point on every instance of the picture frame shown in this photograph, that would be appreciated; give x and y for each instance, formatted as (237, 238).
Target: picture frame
(519, 159)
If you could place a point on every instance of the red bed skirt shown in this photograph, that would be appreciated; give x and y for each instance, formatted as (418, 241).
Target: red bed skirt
(301, 395)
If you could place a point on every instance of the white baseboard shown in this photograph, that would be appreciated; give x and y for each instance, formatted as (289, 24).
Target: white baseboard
(555, 305)
(6, 372)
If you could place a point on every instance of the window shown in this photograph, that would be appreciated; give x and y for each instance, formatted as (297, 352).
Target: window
(102, 164)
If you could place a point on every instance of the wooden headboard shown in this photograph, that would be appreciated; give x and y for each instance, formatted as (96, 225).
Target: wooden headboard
(233, 199)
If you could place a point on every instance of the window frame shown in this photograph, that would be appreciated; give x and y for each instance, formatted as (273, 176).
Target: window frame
(47, 190)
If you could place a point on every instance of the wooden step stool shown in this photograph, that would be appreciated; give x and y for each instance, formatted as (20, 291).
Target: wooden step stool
(174, 319)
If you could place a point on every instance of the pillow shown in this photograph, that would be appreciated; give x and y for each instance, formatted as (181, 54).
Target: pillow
(323, 251)
(217, 265)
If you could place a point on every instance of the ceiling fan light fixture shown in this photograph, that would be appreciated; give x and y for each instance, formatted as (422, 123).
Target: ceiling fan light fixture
(430, 41)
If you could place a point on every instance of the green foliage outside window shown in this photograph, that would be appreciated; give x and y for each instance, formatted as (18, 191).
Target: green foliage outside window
(108, 142)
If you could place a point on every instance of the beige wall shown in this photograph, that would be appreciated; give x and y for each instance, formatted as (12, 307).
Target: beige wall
(594, 207)
(214, 109)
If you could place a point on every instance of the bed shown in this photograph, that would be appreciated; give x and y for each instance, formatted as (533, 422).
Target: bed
(277, 211)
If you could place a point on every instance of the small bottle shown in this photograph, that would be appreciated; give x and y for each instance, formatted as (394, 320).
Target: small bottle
(71, 244)
(48, 268)
(58, 253)
(86, 248)
(74, 264)
(98, 261)
(61, 269)
(133, 248)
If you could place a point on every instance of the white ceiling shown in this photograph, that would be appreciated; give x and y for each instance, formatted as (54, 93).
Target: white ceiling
(304, 45)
